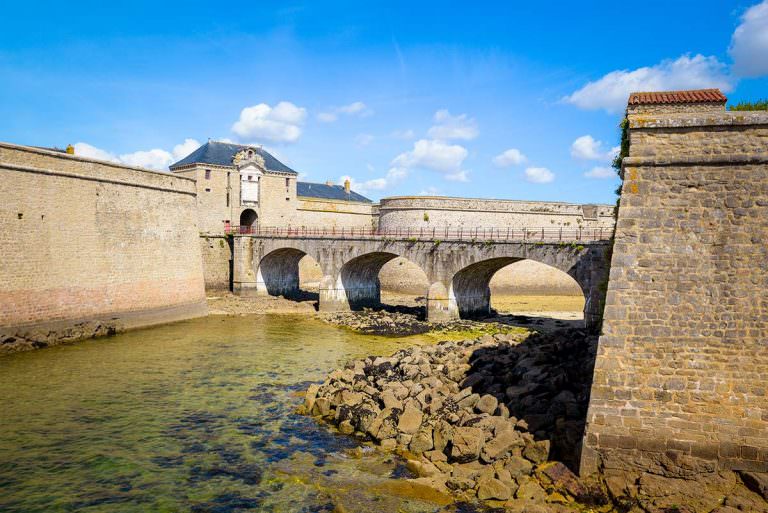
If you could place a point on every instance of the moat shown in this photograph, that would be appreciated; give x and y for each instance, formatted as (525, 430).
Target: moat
(194, 416)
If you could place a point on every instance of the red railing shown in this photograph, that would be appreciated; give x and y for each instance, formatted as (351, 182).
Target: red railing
(503, 234)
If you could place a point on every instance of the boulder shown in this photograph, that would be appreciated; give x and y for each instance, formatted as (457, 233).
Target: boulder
(562, 479)
(467, 442)
(757, 482)
(311, 395)
(410, 419)
(518, 466)
(487, 404)
(491, 488)
(421, 441)
(442, 435)
(389, 400)
(500, 445)
(537, 452)
(530, 490)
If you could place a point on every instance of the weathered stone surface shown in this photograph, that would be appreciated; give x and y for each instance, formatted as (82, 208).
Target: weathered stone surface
(410, 419)
(467, 442)
(757, 482)
(487, 404)
(490, 488)
(501, 444)
(538, 452)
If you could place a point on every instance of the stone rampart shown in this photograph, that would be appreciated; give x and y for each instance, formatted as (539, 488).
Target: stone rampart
(427, 212)
(682, 368)
(86, 240)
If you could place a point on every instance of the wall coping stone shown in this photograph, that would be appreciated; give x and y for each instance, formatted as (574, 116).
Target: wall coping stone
(691, 120)
(62, 155)
(694, 160)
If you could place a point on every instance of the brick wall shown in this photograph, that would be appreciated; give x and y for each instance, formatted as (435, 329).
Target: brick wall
(83, 239)
(682, 368)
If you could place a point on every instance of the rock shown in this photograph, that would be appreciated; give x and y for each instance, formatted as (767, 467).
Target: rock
(410, 419)
(322, 407)
(491, 488)
(500, 445)
(469, 401)
(442, 435)
(518, 467)
(435, 456)
(422, 468)
(530, 490)
(310, 396)
(757, 482)
(537, 452)
(383, 426)
(467, 442)
(346, 427)
(487, 404)
(389, 400)
(460, 484)
(421, 441)
(563, 480)
(388, 444)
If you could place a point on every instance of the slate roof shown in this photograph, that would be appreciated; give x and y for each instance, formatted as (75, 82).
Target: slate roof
(664, 97)
(332, 192)
(221, 154)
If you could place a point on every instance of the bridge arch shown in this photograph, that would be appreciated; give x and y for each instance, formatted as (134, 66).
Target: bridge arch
(278, 272)
(470, 286)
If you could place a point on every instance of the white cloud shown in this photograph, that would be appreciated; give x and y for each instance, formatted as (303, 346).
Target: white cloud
(182, 150)
(449, 127)
(281, 123)
(511, 157)
(612, 90)
(435, 155)
(358, 109)
(601, 172)
(539, 175)
(587, 148)
(392, 178)
(156, 158)
(749, 43)
(404, 134)
(364, 139)
(86, 150)
(430, 191)
(152, 159)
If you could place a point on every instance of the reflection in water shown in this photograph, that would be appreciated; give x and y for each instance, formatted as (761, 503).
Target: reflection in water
(195, 416)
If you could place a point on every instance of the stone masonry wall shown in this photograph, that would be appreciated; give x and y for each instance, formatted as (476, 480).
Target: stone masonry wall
(217, 261)
(682, 368)
(84, 239)
(418, 212)
(333, 214)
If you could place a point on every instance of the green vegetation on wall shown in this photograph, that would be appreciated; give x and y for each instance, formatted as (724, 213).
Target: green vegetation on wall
(756, 105)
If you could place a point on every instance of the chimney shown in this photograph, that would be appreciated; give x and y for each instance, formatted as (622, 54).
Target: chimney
(347, 186)
(329, 182)
(70, 149)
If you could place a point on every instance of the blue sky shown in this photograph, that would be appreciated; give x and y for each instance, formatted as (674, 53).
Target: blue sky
(510, 100)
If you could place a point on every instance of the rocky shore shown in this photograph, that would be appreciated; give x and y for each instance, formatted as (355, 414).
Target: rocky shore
(499, 420)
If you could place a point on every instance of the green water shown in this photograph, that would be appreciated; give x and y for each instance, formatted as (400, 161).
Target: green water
(196, 416)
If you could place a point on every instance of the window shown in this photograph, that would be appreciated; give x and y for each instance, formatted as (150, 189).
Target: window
(207, 189)
(207, 174)
(287, 185)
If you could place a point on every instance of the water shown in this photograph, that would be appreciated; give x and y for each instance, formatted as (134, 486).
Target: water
(195, 416)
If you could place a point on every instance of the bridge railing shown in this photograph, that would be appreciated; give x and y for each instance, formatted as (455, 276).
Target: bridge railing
(496, 234)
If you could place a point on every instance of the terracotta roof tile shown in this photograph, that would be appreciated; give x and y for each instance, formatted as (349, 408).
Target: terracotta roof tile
(695, 96)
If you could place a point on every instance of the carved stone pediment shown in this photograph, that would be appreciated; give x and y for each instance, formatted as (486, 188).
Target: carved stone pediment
(249, 158)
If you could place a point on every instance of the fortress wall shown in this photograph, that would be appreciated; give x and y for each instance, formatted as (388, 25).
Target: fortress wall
(417, 212)
(217, 261)
(681, 376)
(84, 239)
(332, 214)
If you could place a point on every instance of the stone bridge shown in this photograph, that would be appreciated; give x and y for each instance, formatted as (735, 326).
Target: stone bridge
(459, 271)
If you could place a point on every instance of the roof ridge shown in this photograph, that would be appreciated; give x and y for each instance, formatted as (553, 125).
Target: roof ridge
(711, 95)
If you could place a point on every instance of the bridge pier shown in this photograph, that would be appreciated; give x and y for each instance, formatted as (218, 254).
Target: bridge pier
(333, 297)
(441, 304)
(244, 282)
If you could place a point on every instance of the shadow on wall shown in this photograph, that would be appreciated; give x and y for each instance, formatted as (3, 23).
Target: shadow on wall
(545, 382)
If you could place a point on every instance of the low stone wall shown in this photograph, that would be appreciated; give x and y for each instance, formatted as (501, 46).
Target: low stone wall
(85, 239)
(317, 212)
